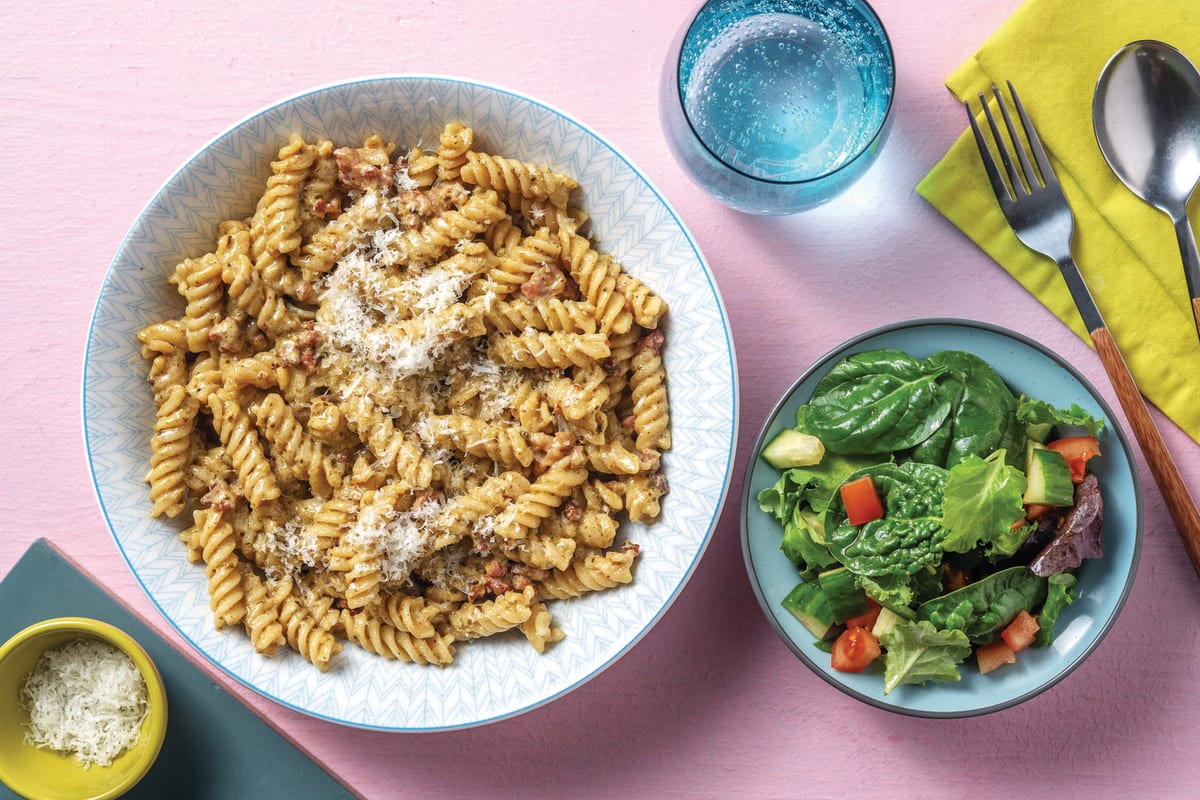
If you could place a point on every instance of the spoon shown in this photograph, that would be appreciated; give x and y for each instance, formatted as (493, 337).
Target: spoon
(1146, 112)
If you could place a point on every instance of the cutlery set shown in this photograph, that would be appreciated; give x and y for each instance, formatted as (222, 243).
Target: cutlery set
(1147, 121)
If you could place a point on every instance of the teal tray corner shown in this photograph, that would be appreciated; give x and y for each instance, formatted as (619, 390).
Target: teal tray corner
(216, 746)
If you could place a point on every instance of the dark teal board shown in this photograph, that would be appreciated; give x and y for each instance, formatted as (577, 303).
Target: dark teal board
(216, 748)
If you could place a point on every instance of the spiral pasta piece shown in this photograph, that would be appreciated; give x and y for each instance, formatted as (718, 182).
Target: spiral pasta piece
(277, 219)
(170, 452)
(542, 349)
(412, 614)
(597, 273)
(168, 336)
(544, 551)
(539, 629)
(461, 514)
(275, 228)
(595, 572)
(593, 529)
(531, 408)
(303, 633)
(545, 495)
(361, 562)
(517, 179)
(509, 610)
(375, 635)
(433, 240)
(648, 387)
(544, 313)
(520, 262)
(585, 395)
(502, 443)
(332, 520)
(292, 444)
(247, 286)
(319, 195)
(397, 452)
(454, 142)
(420, 170)
(218, 547)
(241, 442)
(642, 494)
(503, 236)
(646, 306)
(262, 616)
(199, 281)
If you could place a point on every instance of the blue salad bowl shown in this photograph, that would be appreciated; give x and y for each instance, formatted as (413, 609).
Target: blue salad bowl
(1103, 585)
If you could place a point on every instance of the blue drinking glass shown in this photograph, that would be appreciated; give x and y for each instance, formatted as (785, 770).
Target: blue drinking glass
(775, 106)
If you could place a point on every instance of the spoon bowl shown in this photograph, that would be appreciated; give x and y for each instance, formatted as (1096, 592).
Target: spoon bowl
(1146, 113)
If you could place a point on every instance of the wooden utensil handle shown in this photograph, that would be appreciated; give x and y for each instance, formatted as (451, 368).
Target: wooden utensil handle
(1158, 458)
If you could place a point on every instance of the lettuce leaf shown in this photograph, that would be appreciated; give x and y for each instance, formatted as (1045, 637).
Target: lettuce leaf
(1060, 593)
(917, 652)
(812, 486)
(896, 591)
(1040, 417)
(803, 541)
(982, 501)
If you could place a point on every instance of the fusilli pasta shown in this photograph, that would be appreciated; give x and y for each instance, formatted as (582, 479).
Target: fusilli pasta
(407, 404)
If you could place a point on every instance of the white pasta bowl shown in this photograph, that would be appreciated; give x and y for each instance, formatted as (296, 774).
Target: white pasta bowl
(492, 679)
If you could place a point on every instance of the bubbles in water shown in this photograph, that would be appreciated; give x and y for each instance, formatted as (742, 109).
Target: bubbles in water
(785, 97)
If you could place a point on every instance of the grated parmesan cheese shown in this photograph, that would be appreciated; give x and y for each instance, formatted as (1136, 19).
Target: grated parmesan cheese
(85, 698)
(399, 537)
(403, 181)
(356, 295)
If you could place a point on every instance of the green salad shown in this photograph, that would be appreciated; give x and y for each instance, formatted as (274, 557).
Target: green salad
(934, 517)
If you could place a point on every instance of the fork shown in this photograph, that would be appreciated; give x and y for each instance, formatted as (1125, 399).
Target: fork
(1038, 212)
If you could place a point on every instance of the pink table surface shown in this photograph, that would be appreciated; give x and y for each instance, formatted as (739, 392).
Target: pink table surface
(102, 102)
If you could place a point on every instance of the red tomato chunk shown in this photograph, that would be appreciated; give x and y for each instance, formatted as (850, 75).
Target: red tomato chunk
(867, 618)
(1021, 632)
(854, 650)
(994, 655)
(1076, 450)
(861, 501)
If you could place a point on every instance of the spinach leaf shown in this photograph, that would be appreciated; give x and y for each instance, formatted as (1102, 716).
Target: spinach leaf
(909, 536)
(983, 414)
(879, 401)
(918, 652)
(982, 608)
(983, 499)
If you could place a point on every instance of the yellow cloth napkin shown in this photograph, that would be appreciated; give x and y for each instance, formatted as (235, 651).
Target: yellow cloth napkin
(1053, 52)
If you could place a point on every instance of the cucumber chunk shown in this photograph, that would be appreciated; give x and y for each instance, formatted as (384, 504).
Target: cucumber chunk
(845, 598)
(1047, 477)
(886, 621)
(808, 603)
(791, 448)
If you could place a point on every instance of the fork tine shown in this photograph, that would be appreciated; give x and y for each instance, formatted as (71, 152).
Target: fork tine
(1035, 142)
(1031, 177)
(1018, 187)
(989, 162)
